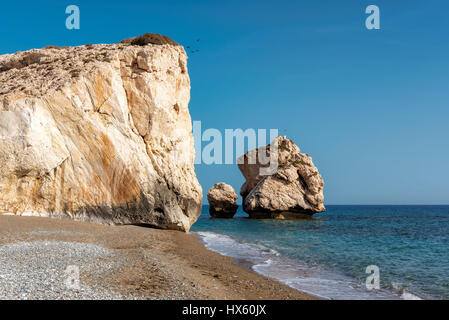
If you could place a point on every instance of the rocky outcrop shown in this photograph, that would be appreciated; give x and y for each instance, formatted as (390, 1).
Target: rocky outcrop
(99, 133)
(293, 188)
(222, 201)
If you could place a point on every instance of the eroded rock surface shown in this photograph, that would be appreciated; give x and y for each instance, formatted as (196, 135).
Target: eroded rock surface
(222, 201)
(293, 189)
(99, 133)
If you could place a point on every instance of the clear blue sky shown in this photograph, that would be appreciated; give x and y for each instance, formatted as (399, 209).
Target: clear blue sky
(371, 107)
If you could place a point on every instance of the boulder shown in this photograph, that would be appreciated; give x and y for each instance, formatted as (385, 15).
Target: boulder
(222, 201)
(99, 133)
(281, 182)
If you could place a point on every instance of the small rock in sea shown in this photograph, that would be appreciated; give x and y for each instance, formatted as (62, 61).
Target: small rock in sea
(222, 200)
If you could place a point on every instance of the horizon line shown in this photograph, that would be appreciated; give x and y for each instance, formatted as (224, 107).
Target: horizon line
(435, 204)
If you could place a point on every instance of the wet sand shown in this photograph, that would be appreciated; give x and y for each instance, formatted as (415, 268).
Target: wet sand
(140, 263)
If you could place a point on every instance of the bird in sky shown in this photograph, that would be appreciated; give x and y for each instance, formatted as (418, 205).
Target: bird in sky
(192, 50)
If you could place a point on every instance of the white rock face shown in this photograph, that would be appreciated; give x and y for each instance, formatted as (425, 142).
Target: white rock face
(294, 190)
(222, 201)
(99, 133)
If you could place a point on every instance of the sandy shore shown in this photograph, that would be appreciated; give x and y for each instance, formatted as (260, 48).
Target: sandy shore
(120, 262)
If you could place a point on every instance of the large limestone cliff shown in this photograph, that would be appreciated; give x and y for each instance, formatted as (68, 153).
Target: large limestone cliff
(99, 133)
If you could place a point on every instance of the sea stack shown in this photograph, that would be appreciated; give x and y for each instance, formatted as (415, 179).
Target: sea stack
(286, 184)
(222, 201)
(99, 133)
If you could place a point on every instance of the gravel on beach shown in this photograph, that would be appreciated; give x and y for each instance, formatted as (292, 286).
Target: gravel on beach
(49, 270)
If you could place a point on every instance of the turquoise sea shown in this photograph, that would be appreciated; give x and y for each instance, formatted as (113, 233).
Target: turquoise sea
(327, 256)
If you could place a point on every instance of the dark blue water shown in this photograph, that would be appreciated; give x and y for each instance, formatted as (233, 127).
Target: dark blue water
(328, 255)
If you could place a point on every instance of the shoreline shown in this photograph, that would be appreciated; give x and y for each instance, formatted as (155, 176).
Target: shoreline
(249, 264)
(123, 262)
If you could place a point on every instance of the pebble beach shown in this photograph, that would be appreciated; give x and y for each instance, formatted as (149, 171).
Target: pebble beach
(38, 256)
